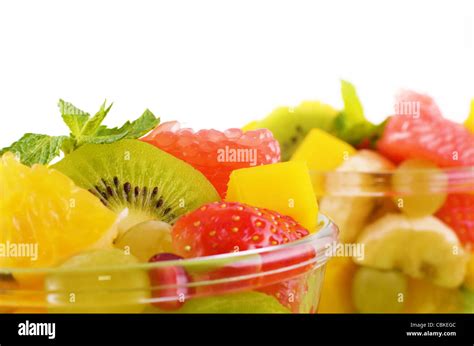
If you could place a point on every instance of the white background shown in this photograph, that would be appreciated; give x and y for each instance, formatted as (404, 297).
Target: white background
(223, 63)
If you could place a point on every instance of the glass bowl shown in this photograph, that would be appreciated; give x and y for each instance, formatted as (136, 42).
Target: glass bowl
(280, 279)
(357, 200)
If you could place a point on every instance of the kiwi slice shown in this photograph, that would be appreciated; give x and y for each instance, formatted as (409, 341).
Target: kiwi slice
(151, 183)
(290, 125)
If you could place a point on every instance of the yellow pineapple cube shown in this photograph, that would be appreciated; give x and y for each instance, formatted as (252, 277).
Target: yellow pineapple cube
(283, 187)
(322, 151)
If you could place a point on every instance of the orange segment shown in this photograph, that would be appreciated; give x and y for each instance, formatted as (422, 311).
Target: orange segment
(45, 218)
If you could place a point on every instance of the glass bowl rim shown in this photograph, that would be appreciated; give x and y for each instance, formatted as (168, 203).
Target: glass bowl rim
(327, 231)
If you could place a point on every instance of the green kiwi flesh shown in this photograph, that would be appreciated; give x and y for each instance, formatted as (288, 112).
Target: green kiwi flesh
(151, 183)
(290, 125)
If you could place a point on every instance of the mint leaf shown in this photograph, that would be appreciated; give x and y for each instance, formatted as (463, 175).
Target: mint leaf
(93, 124)
(131, 130)
(352, 106)
(74, 118)
(350, 124)
(35, 148)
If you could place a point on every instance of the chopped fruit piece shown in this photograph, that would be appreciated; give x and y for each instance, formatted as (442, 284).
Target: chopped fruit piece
(425, 297)
(411, 103)
(169, 284)
(469, 123)
(284, 187)
(432, 138)
(424, 248)
(378, 291)
(249, 302)
(100, 282)
(43, 208)
(469, 280)
(458, 213)
(289, 292)
(349, 198)
(221, 227)
(290, 125)
(322, 151)
(420, 187)
(336, 296)
(216, 154)
(146, 239)
(151, 184)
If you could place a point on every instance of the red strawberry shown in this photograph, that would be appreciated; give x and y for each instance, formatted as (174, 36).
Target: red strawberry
(216, 154)
(458, 213)
(428, 137)
(409, 102)
(224, 227)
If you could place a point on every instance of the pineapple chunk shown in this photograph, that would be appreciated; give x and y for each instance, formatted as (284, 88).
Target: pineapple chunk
(283, 187)
(322, 151)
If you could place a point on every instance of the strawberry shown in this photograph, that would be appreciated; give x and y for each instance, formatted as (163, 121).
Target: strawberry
(224, 227)
(409, 102)
(458, 213)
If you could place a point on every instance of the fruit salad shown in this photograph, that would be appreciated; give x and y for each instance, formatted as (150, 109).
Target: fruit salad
(150, 217)
(402, 195)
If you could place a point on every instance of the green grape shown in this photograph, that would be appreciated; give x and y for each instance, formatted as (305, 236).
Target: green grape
(376, 291)
(95, 282)
(420, 187)
(146, 239)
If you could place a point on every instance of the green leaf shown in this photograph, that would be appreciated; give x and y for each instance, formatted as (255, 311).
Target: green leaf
(93, 124)
(350, 124)
(35, 148)
(131, 130)
(74, 118)
(352, 106)
(140, 127)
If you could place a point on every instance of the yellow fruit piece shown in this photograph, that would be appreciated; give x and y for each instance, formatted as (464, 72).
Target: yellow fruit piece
(425, 297)
(45, 218)
(322, 151)
(336, 296)
(469, 280)
(250, 126)
(469, 123)
(283, 187)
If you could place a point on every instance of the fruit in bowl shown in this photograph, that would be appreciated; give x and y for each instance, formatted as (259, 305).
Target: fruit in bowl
(401, 193)
(130, 222)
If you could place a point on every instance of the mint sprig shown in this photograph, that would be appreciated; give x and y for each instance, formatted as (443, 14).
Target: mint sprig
(38, 148)
(351, 125)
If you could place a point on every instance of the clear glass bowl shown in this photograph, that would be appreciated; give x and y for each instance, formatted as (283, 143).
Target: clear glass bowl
(279, 279)
(354, 200)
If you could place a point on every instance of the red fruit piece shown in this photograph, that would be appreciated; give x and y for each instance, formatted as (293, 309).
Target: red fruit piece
(169, 283)
(458, 213)
(411, 103)
(216, 154)
(225, 227)
(426, 136)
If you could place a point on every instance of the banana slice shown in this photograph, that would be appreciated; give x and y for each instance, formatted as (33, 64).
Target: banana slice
(423, 248)
(351, 196)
